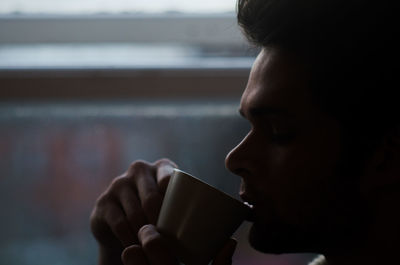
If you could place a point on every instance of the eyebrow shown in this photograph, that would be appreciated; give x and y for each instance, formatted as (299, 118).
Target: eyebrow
(266, 111)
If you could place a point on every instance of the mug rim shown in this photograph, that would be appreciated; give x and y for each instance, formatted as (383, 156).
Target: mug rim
(179, 171)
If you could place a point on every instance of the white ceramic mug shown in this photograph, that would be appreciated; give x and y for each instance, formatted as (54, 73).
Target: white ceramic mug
(197, 219)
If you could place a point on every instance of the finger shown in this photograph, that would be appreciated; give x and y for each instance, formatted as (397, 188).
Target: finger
(132, 209)
(134, 255)
(119, 225)
(224, 257)
(165, 169)
(102, 231)
(155, 248)
(143, 175)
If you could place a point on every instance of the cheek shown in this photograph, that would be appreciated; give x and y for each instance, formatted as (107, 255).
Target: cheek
(300, 179)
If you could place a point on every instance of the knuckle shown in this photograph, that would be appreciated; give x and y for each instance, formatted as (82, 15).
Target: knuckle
(109, 194)
(165, 161)
(103, 200)
(100, 208)
(118, 182)
(138, 166)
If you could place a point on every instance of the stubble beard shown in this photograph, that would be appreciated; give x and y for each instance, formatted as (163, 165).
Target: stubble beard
(338, 227)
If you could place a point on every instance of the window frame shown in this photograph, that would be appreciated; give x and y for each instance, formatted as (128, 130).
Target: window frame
(199, 29)
(216, 30)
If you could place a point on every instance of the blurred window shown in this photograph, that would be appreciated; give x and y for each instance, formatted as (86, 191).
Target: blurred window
(86, 87)
(121, 34)
(115, 6)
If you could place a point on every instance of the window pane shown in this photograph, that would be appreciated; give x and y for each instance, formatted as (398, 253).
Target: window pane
(115, 6)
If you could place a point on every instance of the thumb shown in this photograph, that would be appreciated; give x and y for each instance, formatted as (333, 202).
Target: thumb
(224, 257)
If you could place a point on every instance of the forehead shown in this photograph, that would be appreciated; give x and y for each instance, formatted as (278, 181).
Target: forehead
(277, 80)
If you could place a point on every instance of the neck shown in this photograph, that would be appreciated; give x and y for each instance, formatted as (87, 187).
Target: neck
(382, 244)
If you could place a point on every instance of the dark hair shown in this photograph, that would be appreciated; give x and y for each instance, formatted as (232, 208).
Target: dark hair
(352, 49)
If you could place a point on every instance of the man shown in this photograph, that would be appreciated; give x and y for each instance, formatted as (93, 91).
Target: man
(321, 163)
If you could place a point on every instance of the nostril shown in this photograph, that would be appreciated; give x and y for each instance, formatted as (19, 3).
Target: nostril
(231, 163)
(240, 172)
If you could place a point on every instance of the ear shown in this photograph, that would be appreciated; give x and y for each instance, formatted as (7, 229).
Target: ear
(383, 168)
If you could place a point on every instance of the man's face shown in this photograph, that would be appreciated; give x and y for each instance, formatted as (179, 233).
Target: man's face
(289, 161)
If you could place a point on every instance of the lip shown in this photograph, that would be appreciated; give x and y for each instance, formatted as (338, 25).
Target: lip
(246, 198)
(250, 203)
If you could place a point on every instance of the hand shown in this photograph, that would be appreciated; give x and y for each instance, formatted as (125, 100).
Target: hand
(130, 202)
(153, 250)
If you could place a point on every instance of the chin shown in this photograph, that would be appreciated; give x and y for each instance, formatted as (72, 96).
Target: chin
(282, 239)
(266, 241)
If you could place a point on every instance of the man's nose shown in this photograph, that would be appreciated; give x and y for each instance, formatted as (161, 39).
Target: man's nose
(236, 160)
